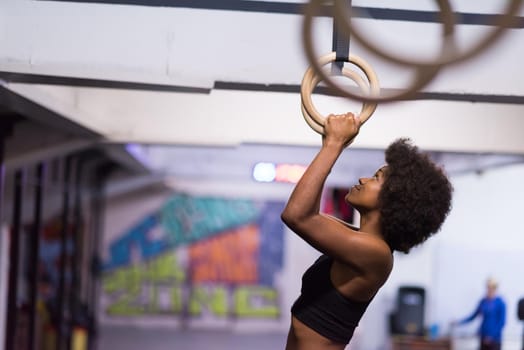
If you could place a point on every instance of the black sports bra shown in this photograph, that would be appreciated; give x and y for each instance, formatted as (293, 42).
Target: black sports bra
(322, 308)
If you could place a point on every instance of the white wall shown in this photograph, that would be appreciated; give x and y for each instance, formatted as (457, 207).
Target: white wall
(483, 237)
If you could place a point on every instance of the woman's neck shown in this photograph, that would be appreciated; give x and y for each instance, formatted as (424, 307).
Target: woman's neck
(370, 223)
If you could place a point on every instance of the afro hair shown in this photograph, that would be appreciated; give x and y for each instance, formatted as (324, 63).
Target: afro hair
(415, 197)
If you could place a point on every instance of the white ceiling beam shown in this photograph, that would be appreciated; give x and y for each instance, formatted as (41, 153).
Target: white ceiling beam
(226, 118)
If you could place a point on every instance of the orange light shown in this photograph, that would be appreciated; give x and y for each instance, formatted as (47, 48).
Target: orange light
(289, 172)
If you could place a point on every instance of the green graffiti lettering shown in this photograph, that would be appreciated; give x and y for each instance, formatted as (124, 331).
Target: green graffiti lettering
(215, 300)
(165, 269)
(177, 303)
(125, 305)
(153, 306)
(258, 302)
(139, 289)
(130, 278)
(125, 286)
(126, 283)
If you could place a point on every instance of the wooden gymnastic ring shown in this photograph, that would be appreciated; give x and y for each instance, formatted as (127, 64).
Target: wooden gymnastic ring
(426, 71)
(314, 119)
(424, 74)
(313, 124)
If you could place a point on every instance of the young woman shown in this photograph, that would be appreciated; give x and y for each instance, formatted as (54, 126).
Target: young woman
(400, 206)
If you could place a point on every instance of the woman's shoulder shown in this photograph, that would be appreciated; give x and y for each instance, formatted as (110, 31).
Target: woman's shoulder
(375, 244)
(373, 254)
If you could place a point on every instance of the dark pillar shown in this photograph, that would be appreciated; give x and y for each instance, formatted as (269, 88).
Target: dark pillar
(97, 209)
(33, 274)
(62, 326)
(14, 259)
(76, 306)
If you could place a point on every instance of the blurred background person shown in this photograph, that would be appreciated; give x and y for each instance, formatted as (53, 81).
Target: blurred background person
(492, 309)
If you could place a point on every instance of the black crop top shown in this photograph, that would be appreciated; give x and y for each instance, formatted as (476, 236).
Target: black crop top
(322, 308)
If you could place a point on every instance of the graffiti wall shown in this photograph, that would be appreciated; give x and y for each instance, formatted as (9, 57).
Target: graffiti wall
(197, 261)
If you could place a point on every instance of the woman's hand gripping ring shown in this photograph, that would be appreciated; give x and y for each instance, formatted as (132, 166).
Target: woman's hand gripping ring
(371, 88)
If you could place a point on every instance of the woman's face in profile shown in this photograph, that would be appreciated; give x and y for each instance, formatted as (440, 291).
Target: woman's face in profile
(364, 196)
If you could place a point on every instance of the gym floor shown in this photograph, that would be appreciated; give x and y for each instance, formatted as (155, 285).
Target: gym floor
(116, 337)
(113, 338)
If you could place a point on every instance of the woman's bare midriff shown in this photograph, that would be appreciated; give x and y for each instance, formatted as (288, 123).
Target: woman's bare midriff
(301, 337)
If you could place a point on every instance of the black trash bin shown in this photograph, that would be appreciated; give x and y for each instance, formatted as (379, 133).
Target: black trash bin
(408, 318)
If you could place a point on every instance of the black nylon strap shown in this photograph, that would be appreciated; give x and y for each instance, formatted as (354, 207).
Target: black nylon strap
(340, 44)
